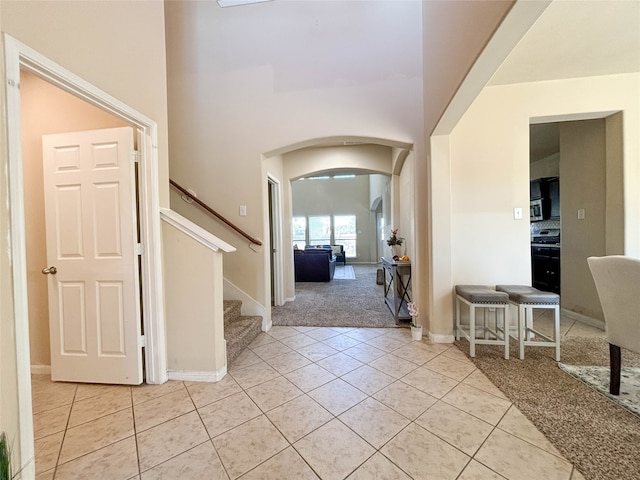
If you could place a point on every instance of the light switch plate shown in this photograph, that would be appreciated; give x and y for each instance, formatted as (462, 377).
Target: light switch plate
(517, 213)
(243, 210)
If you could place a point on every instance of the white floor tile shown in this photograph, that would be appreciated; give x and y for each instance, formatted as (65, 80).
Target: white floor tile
(304, 403)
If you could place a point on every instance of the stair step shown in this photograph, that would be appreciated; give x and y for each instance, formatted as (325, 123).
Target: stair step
(231, 310)
(239, 333)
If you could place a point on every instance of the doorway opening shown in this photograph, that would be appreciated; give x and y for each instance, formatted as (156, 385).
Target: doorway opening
(18, 58)
(275, 240)
(54, 115)
(576, 169)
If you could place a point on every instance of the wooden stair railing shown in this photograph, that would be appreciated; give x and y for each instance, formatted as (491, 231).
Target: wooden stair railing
(214, 213)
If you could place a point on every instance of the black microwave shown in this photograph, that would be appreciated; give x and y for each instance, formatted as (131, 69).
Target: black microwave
(535, 210)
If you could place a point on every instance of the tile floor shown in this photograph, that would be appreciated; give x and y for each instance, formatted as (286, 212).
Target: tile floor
(300, 403)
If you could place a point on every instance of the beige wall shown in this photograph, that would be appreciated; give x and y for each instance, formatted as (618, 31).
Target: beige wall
(130, 65)
(195, 333)
(275, 85)
(46, 109)
(454, 34)
(582, 186)
(614, 216)
(489, 174)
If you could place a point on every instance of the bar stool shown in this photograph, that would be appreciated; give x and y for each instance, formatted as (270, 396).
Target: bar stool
(481, 296)
(527, 299)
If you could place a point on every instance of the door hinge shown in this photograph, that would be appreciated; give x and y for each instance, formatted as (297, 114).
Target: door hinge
(139, 249)
(142, 341)
(135, 156)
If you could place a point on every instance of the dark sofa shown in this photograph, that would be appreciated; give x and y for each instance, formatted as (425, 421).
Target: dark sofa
(337, 250)
(314, 265)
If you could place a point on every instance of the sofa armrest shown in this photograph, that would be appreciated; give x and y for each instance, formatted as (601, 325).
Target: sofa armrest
(338, 251)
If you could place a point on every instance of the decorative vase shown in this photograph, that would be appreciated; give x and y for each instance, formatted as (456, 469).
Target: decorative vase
(416, 333)
(396, 250)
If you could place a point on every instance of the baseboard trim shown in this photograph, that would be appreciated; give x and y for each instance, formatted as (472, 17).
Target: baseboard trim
(267, 327)
(249, 305)
(40, 369)
(191, 376)
(594, 322)
(439, 338)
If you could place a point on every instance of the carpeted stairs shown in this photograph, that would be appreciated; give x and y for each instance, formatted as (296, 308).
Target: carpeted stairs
(239, 330)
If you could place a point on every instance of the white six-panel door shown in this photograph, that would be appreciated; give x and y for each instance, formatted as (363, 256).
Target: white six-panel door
(90, 211)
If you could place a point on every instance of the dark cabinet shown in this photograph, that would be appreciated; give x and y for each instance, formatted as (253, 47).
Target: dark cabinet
(545, 267)
(553, 191)
(535, 189)
(547, 190)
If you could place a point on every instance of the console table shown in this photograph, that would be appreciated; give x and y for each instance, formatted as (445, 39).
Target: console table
(397, 286)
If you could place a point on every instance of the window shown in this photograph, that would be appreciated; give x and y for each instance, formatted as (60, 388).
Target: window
(344, 231)
(344, 176)
(326, 230)
(299, 231)
(320, 230)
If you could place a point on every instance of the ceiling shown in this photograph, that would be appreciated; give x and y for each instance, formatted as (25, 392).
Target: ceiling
(576, 39)
(573, 39)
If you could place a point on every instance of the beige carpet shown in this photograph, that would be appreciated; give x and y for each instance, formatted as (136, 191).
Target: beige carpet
(355, 302)
(601, 438)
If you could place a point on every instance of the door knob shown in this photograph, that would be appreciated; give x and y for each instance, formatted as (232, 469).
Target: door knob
(49, 270)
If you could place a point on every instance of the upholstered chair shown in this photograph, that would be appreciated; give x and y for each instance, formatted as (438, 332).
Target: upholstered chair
(617, 280)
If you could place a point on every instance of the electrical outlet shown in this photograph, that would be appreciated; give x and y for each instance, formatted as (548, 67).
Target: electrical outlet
(581, 213)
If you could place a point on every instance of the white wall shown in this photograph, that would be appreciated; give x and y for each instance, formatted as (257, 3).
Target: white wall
(377, 186)
(249, 80)
(489, 175)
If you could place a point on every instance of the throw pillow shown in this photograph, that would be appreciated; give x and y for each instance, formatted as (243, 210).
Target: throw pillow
(336, 249)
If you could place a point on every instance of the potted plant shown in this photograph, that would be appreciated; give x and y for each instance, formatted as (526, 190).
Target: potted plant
(6, 470)
(394, 241)
(5, 458)
(416, 329)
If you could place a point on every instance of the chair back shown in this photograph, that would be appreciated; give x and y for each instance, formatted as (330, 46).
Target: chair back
(617, 280)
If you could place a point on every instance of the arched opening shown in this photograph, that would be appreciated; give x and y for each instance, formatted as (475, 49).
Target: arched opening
(319, 179)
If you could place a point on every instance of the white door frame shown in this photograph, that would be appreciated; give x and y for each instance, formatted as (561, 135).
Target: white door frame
(276, 226)
(17, 56)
